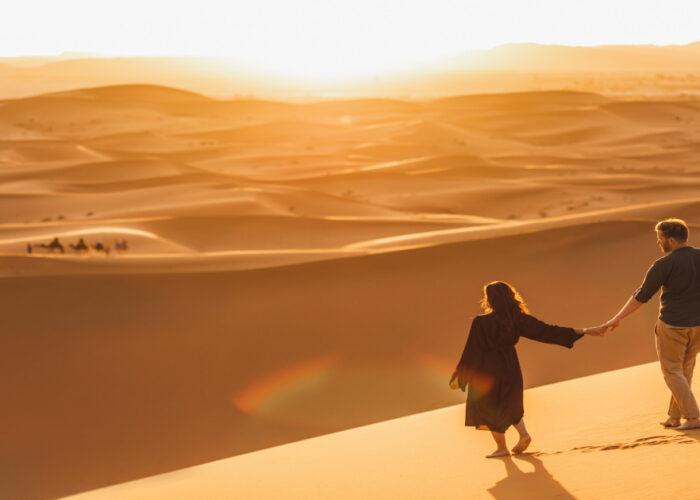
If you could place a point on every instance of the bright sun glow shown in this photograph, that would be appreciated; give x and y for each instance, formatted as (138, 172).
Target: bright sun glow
(331, 39)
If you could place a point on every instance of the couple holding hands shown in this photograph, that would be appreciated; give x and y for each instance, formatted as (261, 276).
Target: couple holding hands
(489, 364)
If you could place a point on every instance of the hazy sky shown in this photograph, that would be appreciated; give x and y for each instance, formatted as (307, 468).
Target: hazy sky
(333, 37)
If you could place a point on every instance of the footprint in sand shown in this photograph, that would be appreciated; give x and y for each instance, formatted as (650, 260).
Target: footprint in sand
(645, 441)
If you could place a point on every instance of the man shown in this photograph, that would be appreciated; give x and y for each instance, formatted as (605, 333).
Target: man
(678, 328)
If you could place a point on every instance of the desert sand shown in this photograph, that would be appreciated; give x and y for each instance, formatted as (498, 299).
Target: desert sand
(594, 437)
(300, 269)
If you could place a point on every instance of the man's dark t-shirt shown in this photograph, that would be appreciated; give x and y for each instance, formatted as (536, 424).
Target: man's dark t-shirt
(678, 275)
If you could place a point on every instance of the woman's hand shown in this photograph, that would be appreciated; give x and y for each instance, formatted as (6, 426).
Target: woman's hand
(598, 331)
(454, 381)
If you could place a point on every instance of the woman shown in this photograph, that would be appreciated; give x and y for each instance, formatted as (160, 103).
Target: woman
(489, 363)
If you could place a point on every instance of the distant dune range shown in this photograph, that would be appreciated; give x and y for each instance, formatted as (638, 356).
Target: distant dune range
(616, 69)
(299, 269)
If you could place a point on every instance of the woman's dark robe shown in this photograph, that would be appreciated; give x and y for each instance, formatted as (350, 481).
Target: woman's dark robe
(490, 367)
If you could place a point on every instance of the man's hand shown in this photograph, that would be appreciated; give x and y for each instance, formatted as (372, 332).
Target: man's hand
(630, 306)
(612, 324)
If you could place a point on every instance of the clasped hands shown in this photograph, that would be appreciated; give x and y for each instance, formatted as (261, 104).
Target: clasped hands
(601, 330)
(597, 331)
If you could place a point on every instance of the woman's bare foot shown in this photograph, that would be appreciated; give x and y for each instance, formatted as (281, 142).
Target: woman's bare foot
(671, 422)
(690, 423)
(522, 445)
(501, 448)
(499, 453)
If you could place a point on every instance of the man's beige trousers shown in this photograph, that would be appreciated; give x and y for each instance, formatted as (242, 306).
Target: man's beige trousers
(677, 347)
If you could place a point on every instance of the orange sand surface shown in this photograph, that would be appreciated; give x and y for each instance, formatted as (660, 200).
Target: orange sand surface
(593, 437)
(295, 270)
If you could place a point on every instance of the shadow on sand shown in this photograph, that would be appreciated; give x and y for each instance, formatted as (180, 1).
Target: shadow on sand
(536, 484)
(539, 483)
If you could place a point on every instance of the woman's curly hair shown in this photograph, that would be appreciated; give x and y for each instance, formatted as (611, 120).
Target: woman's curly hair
(504, 301)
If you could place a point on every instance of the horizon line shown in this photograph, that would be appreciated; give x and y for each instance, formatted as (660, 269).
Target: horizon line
(85, 54)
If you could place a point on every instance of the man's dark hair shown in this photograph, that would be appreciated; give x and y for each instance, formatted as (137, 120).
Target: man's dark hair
(673, 228)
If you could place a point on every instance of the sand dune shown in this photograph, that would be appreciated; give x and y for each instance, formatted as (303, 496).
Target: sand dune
(134, 94)
(296, 269)
(594, 437)
(657, 112)
(46, 151)
(221, 363)
(107, 171)
(515, 101)
(277, 131)
(207, 238)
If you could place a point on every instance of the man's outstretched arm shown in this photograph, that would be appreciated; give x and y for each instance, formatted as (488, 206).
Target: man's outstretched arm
(630, 306)
(653, 280)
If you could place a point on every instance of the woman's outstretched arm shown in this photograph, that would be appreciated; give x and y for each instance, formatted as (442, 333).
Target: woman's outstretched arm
(534, 329)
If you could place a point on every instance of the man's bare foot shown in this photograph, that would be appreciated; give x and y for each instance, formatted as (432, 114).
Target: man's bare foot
(522, 445)
(499, 453)
(671, 422)
(690, 423)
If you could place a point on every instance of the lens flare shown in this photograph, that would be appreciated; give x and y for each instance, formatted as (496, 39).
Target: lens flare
(264, 394)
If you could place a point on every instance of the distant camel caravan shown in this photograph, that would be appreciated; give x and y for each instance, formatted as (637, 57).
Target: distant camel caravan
(54, 245)
(120, 244)
(81, 246)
